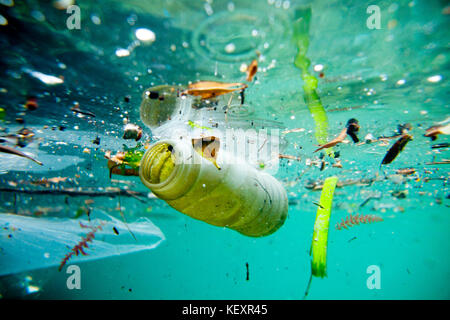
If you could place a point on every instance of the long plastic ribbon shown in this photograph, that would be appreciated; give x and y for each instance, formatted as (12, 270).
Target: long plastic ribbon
(312, 99)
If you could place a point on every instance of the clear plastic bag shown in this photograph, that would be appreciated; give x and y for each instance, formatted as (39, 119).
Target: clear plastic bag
(28, 243)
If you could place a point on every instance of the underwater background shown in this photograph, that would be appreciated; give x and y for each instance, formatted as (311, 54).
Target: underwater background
(385, 78)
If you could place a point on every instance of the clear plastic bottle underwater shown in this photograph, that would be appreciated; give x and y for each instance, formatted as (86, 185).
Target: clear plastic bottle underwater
(223, 180)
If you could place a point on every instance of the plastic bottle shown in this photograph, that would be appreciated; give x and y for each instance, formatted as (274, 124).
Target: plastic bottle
(237, 196)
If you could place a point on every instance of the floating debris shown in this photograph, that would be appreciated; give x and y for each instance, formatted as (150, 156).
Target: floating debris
(78, 248)
(337, 164)
(211, 89)
(132, 131)
(369, 138)
(6, 149)
(3, 21)
(76, 109)
(440, 145)
(354, 238)
(125, 163)
(318, 184)
(110, 192)
(116, 231)
(192, 124)
(300, 36)
(406, 171)
(335, 141)
(400, 194)
(445, 161)
(145, 35)
(63, 4)
(121, 52)
(396, 148)
(82, 211)
(345, 108)
(57, 180)
(442, 128)
(22, 138)
(374, 196)
(207, 147)
(251, 70)
(286, 156)
(403, 129)
(435, 78)
(293, 130)
(248, 272)
(352, 129)
(45, 78)
(320, 236)
(318, 204)
(352, 220)
(31, 103)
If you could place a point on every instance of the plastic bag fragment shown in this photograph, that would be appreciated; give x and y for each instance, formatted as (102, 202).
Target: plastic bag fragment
(28, 243)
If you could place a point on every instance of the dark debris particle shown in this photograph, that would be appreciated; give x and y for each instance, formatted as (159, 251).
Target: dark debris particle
(126, 99)
(154, 95)
(248, 272)
(322, 166)
(440, 145)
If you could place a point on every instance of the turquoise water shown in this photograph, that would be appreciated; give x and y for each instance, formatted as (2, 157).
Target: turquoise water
(383, 77)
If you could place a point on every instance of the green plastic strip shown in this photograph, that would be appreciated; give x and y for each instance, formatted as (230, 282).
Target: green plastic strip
(320, 236)
(312, 99)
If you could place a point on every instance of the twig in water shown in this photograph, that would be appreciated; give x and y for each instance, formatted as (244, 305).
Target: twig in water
(286, 156)
(110, 192)
(445, 161)
(125, 221)
(248, 273)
